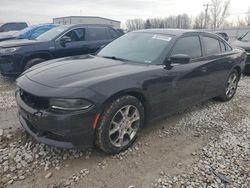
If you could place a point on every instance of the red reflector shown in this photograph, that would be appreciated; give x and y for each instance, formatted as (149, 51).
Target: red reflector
(96, 120)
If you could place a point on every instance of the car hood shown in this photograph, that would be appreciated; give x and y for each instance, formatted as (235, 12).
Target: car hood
(80, 71)
(6, 35)
(17, 43)
(242, 44)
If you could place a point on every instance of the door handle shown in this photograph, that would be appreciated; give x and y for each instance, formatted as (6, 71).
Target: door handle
(203, 69)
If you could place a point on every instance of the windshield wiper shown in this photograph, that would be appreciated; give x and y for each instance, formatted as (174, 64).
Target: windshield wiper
(115, 58)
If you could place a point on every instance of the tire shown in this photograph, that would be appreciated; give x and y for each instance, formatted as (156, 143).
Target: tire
(228, 95)
(114, 128)
(33, 62)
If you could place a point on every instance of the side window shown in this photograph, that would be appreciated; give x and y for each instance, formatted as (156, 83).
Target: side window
(76, 34)
(113, 33)
(211, 45)
(188, 45)
(21, 26)
(97, 33)
(222, 46)
(9, 27)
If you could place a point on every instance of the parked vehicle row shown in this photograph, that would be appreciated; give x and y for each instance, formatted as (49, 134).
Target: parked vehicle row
(107, 98)
(17, 56)
(31, 32)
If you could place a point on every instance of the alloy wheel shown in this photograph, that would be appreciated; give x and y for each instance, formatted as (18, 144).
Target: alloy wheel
(124, 126)
(231, 85)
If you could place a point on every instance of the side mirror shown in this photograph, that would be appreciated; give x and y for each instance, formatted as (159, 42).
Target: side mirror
(179, 59)
(64, 40)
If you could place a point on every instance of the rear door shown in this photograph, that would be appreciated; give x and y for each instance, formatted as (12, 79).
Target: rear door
(97, 37)
(218, 64)
(188, 78)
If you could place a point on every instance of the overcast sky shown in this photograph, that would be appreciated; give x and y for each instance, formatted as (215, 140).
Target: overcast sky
(41, 11)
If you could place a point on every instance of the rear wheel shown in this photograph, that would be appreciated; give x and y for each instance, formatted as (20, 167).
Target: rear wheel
(230, 86)
(120, 124)
(33, 62)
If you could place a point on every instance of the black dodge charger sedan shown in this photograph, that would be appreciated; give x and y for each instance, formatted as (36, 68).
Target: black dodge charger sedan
(106, 99)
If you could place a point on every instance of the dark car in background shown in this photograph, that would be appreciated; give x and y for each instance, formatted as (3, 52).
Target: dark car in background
(31, 32)
(223, 35)
(12, 26)
(106, 99)
(244, 42)
(17, 56)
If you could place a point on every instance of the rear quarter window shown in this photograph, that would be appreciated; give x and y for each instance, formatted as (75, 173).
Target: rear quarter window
(97, 33)
(222, 46)
(228, 48)
(113, 33)
(21, 26)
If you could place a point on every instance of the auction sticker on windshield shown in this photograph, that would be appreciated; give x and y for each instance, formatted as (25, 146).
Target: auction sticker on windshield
(162, 37)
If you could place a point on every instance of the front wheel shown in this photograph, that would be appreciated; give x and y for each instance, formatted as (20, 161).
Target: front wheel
(33, 62)
(230, 86)
(119, 125)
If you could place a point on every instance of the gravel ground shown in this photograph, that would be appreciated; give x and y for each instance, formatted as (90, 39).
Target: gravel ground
(6, 82)
(208, 145)
(224, 161)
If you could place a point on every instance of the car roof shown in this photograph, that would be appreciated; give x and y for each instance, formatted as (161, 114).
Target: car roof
(175, 32)
(13, 23)
(85, 25)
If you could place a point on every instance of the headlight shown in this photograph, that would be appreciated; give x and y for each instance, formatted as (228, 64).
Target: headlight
(8, 50)
(70, 104)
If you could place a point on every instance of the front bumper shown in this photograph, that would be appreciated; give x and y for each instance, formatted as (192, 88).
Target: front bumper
(10, 64)
(66, 130)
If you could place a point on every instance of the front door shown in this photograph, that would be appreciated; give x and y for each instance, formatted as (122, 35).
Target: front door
(187, 79)
(77, 46)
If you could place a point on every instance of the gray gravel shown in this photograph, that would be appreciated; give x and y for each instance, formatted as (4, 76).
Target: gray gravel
(7, 100)
(225, 161)
(20, 156)
(7, 82)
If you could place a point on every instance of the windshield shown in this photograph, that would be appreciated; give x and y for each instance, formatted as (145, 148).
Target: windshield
(246, 37)
(137, 47)
(52, 34)
(27, 29)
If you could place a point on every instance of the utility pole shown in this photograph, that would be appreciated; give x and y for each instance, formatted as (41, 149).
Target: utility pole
(206, 14)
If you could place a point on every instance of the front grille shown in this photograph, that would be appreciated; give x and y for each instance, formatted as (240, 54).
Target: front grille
(34, 101)
(47, 134)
